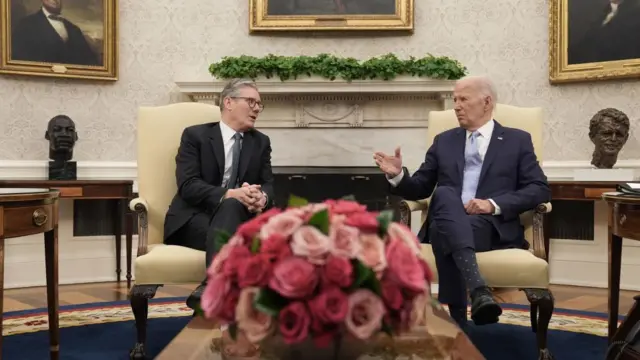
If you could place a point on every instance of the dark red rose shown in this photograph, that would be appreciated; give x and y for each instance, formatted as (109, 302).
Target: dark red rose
(338, 271)
(237, 255)
(254, 271)
(365, 221)
(294, 321)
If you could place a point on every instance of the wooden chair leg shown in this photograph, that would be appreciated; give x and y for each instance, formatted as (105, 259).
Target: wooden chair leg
(139, 298)
(542, 305)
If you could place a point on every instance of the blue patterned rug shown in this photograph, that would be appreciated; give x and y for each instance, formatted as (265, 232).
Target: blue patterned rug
(106, 331)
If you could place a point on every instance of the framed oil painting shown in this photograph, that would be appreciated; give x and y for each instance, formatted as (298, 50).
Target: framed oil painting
(331, 15)
(593, 40)
(59, 38)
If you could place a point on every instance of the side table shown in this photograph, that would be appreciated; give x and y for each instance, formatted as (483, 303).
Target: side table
(29, 211)
(624, 222)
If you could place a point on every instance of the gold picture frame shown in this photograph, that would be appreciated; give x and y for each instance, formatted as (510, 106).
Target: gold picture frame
(334, 15)
(42, 38)
(583, 40)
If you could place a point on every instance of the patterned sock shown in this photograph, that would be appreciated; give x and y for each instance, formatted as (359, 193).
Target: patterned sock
(458, 314)
(465, 260)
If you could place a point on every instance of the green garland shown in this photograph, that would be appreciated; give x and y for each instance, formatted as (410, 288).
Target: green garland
(385, 67)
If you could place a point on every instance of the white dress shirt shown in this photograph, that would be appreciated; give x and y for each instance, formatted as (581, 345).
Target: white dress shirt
(228, 141)
(483, 140)
(57, 25)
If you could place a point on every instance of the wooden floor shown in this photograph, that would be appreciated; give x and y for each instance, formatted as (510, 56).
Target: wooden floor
(567, 297)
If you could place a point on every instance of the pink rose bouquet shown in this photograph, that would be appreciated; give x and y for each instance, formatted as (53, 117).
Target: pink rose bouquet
(318, 271)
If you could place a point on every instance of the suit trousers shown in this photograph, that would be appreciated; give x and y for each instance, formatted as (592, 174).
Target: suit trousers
(199, 232)
(451, 229)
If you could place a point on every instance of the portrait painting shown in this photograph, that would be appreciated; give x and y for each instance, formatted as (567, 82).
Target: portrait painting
(332, 15)
(59, 38)
(593, 40)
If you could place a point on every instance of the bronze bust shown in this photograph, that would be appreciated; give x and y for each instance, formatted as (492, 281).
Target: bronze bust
(62, 136)
(609, 131)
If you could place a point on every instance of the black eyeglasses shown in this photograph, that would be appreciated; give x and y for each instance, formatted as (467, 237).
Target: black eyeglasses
(252, 102)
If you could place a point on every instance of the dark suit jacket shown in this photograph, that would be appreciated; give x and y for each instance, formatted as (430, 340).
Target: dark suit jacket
(617, 40)
(34, 39)
(510, 175)
(200, 168)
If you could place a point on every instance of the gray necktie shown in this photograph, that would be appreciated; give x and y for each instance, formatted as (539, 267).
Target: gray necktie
(235, 151)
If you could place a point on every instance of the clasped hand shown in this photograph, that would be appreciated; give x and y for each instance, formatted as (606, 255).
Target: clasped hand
(479, 206)
(250, 196)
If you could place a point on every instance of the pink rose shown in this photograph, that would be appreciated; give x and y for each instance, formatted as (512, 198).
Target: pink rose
(309, 242)
(217, 264)
(345, 206)
(372, 253)
(276, 248)
(402, 232)
(330, 306)
(366, 311)
(364, 221)
(404, 266)
(338, 271)
(214, 294)
(344, 240)
(254, 324)
(237, 255)
(294, 321)
(392, 295)
(228, 312)
(284, 224)
(294, 278)
(254, 271)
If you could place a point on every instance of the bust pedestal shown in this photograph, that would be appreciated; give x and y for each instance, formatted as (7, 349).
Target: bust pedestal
(62, 170)
(595, 174)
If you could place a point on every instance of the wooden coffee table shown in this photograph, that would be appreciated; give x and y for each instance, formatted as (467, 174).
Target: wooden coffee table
(202, 340)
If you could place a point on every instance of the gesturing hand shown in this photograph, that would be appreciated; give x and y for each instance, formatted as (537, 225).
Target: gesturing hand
(389, 164)
(478, 206)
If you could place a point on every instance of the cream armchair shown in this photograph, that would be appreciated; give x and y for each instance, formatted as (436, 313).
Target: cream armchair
(510, 268)
(156, 264)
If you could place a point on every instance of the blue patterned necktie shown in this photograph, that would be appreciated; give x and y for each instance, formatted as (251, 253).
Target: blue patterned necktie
(472, 168)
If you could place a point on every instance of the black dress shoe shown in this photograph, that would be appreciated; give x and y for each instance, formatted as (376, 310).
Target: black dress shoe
(193, 301)
(484, 309)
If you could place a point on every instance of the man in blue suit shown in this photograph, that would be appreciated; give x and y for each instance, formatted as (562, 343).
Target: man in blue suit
(486, 175)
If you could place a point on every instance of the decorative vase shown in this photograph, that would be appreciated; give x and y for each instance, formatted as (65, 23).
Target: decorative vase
(341, 348)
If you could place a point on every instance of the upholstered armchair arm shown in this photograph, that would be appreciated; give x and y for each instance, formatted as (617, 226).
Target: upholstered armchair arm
(406, 207)
(139, 205)
(539, 246)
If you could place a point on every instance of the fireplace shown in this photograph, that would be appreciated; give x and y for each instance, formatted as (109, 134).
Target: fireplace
(317, 183)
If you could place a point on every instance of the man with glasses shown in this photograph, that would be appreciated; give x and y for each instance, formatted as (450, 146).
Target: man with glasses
(223, 174)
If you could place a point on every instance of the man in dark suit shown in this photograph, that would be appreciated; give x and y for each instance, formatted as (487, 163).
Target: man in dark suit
(486, 175)
(223, 173)
(613, 35)
(46, 36)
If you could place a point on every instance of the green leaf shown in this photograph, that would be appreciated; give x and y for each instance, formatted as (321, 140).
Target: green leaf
(198, 311)
(320, 221)
(221, 238)
(348, 198)
(255, 245)
(361, 273)
(269, 302)
(296, 201)
(386, 328)
(385, 67)
(384, 219)
(233, 331)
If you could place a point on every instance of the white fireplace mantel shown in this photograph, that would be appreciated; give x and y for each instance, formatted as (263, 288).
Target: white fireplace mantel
(315, 102)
